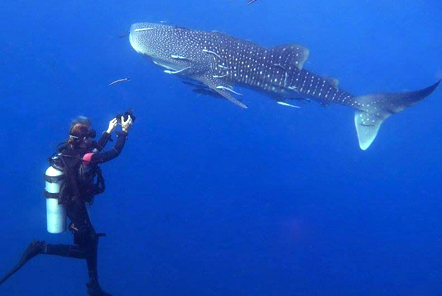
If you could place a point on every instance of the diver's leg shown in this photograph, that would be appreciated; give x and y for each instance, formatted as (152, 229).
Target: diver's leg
(86, 238)
(91, 260)
(93, 287)
(77, 213)
(71, 251)
(40, 247)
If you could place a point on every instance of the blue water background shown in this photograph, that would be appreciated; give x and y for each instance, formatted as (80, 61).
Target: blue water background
(210, 199)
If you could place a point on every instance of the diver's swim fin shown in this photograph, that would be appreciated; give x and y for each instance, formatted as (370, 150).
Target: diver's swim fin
(35, 248)
(11, 272)
(94, 289)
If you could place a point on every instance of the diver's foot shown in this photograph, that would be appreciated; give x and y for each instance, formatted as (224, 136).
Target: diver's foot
(35, 248)
(94, 289)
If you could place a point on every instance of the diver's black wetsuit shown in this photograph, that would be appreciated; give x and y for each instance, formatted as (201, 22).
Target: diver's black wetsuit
(85, 238)
(82, 181)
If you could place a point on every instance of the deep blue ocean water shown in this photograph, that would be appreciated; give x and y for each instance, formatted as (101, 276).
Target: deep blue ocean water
(210, 199)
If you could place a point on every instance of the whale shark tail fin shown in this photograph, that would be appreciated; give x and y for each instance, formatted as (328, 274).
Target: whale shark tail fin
(375, 108)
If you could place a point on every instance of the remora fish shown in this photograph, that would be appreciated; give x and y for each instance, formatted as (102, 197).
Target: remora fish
(220, 61)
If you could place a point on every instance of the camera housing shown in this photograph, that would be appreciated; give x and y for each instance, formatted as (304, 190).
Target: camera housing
(126, 116)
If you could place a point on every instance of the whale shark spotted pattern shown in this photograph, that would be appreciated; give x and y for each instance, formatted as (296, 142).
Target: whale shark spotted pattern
(219, 61)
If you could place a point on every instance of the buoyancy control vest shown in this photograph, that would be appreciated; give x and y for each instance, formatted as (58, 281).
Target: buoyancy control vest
(90, 178)
(69, 177)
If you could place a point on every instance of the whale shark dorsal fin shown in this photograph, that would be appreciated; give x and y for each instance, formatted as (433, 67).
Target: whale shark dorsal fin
(333, 81)
(290, 55)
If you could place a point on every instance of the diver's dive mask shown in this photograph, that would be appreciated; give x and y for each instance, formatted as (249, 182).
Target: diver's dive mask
(91, 133)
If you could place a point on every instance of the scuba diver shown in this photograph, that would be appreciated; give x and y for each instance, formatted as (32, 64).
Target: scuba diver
(80, 179)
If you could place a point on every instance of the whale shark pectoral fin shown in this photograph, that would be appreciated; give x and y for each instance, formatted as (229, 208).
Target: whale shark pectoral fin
(290, 55)
(202, 89)
(221, 88)
(226, 94)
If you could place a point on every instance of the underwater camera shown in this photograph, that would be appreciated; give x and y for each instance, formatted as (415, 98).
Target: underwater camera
(126, 116)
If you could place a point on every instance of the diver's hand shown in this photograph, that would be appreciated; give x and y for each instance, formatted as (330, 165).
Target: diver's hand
(112, 124)
(126, 125)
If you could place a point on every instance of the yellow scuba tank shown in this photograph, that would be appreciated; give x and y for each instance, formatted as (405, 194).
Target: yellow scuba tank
(55, 212)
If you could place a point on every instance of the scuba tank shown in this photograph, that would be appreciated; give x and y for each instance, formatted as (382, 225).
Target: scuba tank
(55, 212)
(68, 175)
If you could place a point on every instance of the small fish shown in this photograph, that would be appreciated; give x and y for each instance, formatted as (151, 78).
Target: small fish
(287, 104)
(251, 1)
(123, 35)
(119, 81)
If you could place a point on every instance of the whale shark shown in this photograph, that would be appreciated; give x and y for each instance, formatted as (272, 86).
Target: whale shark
(217, 62)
